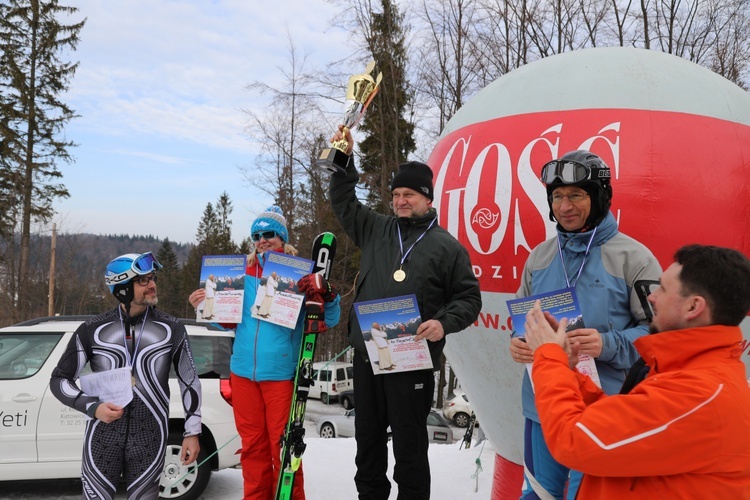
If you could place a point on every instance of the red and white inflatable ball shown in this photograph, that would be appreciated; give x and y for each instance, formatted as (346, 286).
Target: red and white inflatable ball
(677, 138)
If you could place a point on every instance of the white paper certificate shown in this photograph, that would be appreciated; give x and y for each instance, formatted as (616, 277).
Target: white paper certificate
(111, 386)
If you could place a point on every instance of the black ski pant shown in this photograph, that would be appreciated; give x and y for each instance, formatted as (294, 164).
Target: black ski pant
(403, 401)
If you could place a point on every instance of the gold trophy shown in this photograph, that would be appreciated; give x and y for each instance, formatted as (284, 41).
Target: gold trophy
(359, 93)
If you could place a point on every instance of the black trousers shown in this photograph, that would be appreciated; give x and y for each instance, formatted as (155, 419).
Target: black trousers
(403, 401)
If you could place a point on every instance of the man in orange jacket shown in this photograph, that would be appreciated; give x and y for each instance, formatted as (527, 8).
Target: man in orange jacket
(683, 431)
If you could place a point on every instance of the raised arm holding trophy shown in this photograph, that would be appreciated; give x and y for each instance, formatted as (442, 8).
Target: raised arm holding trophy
(359, 93)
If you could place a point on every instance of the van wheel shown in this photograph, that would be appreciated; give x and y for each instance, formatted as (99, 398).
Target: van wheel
(190, 480)
(346, 402)
(325, 398)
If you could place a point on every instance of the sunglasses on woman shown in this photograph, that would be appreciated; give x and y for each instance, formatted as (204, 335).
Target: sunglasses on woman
(266, 235)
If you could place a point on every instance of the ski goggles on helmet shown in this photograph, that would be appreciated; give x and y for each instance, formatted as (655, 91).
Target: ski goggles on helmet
(118, 270)
(145, 263)
(570, 172)
(266, 235)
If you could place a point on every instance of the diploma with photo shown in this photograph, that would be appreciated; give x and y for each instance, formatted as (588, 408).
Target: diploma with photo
(278, 300)
(389, 327)
(560, 304)
(223, 279)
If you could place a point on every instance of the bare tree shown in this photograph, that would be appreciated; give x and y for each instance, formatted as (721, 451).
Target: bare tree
(621, 22)
(729, 55)
(501, 44)
(285, 132)
(446, 64)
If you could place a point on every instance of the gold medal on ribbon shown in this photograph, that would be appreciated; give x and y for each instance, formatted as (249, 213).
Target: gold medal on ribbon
(400, 274)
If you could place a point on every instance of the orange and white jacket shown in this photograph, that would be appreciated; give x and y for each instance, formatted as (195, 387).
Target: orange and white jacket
(683, 432)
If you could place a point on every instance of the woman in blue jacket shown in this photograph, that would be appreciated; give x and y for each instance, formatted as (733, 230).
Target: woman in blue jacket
(263, 365)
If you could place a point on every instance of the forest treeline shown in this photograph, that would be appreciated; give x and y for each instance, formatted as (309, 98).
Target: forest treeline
(79, 262)
(78, 272)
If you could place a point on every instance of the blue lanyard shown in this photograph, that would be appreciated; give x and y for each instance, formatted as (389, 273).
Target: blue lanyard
(580, 269)
(401, 243)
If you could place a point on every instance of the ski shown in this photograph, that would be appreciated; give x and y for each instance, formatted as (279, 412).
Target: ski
(292, 442)
(466, 442)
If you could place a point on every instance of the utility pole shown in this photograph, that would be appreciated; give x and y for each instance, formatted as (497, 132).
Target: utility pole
(51, 294)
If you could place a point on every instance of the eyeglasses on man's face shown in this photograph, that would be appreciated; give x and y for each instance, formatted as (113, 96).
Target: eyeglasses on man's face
(145, 280)
(266, 235)
(557, 198)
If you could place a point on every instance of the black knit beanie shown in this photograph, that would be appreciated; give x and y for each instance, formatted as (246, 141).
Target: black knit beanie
(414, 175)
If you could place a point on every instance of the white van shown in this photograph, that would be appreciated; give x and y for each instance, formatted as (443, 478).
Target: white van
(331, 378)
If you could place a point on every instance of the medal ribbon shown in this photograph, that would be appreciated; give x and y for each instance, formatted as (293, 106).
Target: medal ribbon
(130, 360)
(401, 243)
(580, 269)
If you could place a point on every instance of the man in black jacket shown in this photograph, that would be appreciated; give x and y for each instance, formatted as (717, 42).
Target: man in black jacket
(406, 254)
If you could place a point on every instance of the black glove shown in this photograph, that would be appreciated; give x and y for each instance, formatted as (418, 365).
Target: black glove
(314, 317)
(317, 290)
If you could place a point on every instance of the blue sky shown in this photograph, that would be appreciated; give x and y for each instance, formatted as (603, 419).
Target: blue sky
(159, 91)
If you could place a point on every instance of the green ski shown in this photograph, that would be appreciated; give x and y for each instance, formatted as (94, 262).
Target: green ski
(292, 444)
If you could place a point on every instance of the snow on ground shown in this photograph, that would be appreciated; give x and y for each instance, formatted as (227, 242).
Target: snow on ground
(329, 471)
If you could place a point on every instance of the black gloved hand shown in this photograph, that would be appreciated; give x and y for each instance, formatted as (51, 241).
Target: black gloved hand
(315, 317)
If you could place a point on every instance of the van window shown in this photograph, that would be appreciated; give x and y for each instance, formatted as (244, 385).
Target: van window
(325, 375)
(340, 374)
(350, 372)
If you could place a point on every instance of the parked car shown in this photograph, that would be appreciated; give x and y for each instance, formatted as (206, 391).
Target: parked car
(331, 426)
(331, 378)
(346, 399)
(458, 409)
(42, 438)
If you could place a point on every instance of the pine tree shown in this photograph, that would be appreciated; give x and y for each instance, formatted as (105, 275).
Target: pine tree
(32, 79)
(246, 246)
(214, 237)
(223, 245)
(171, 299)
(8, 177)
(389, 135)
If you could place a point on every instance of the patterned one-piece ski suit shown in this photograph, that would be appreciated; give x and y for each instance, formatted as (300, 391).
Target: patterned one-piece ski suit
(133, 446)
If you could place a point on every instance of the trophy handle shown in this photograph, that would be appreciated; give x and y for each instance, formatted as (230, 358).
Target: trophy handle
(342, 144)
(373, 94)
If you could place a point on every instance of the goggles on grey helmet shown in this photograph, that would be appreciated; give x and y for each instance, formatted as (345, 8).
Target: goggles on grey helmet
(571, 172)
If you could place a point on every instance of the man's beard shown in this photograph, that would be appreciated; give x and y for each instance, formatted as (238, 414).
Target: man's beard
(147, 301)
